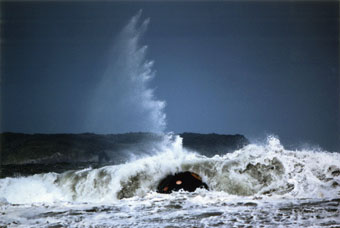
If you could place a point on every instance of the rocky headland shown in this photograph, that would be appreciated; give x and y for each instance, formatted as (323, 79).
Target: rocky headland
(57, 151)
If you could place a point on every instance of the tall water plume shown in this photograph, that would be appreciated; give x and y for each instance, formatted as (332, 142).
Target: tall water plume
(123, 101)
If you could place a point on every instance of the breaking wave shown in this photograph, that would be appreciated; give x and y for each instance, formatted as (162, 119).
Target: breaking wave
(267, 170)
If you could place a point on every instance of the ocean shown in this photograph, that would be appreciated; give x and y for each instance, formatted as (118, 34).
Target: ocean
(259, 185)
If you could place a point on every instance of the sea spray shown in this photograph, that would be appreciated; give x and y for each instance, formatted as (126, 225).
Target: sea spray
(267, 170)
(123, 101)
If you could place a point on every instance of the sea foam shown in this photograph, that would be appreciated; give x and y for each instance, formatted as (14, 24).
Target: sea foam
(257, 170)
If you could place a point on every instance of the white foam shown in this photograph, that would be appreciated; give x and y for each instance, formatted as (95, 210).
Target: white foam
(33, 189)
(256, 170)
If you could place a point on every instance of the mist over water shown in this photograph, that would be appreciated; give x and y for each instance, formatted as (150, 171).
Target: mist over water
(123, 101)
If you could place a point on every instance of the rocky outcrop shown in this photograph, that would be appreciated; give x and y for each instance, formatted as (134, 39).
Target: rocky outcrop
(212, 144)
(19, 148)
(188, 181)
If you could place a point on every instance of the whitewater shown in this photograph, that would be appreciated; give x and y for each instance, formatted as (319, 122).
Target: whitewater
(258, 185)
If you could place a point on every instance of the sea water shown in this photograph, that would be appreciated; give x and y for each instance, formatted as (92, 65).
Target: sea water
(260, 185)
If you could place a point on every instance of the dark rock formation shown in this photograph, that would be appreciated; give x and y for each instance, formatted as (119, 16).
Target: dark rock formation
(19, 148)
(212, 144)
(187, 181)
(45, 151)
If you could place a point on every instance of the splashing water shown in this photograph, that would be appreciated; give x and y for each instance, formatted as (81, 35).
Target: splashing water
(123, 102)
(258, 185)
(255, 170)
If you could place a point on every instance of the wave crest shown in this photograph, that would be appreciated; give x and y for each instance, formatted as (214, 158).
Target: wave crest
(256, 170)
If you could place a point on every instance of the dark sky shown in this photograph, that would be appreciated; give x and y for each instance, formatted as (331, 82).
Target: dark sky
(254, 68)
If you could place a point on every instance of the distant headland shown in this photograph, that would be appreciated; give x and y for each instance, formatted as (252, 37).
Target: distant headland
(51, 149)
